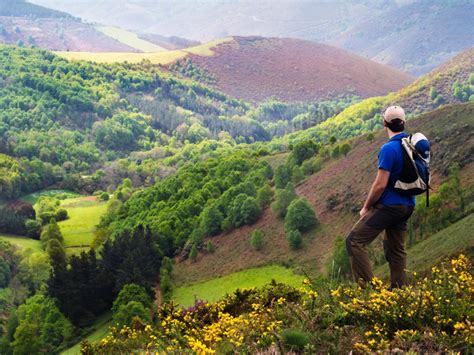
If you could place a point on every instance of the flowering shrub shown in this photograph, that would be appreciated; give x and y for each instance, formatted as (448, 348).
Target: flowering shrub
(433, 315)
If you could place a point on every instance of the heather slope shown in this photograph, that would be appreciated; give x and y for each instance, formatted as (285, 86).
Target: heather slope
(257, 68)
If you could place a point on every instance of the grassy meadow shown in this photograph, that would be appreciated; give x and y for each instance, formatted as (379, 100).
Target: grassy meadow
(78, 230)
(131, 39)
(215, 289)
(163, 58)
(22, 242)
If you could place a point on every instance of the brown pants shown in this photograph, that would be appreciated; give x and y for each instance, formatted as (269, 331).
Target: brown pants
(391, 218)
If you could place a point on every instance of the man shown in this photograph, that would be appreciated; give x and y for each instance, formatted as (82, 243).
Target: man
(384, 209)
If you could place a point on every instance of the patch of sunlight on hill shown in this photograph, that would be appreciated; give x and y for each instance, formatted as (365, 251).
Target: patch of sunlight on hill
(215, 289)
(155, 58)
(130, 39)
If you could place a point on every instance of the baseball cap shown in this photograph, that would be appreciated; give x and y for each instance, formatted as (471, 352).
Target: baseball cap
(394, 112)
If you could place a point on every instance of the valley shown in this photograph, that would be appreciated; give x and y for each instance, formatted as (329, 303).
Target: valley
(164, 195)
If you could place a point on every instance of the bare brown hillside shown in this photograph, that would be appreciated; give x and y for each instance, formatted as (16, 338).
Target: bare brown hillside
(257, 68)
(346, 180)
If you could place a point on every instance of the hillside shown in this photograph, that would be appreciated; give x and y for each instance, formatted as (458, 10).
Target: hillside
(450, 83)
(256, 69)
(336, 192)
(415, 37)
(26, 25)
(30, 25)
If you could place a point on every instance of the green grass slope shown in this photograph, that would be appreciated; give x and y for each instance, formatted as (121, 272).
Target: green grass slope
(455, 239)
(215, 289)
(22, 242)
(78, 230)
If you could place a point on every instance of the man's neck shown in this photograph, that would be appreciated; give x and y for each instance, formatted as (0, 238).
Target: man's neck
(392, 134)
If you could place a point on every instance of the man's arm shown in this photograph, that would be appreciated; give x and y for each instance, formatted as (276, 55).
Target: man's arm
(378, 187)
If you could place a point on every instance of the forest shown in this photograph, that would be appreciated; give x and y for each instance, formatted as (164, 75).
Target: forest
(76, 119)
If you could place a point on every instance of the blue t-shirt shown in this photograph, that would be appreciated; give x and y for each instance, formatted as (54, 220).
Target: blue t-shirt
(391, 159)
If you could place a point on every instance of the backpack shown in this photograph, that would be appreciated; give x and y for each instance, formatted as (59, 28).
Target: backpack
(415, 176)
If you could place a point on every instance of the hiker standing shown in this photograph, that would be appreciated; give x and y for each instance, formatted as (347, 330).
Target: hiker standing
(388, 206)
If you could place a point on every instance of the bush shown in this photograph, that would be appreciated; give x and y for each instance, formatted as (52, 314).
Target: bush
(282, 176)
(294, 239)
(283, 198)
(33, 228)
(340, 266)
(61, 214)
(300, 215)
(264, 195)
(297, 175)
(304, 150)
(131, 292)
(166, 287)
(193, 253)
(210, 247)
(294, 339)
(244, 210)
(126, 312)
(257, 239)
(312, 165)
(104, 196)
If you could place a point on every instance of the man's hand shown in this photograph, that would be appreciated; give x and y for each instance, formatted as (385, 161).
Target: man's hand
(376, 190)
(363, 211)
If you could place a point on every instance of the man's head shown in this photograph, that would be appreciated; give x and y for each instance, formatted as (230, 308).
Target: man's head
(394, 119)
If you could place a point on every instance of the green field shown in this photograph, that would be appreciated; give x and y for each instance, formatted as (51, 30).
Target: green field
(101, 326)
(78, 230)
(22, 242)
(131, 39)
(155, 58)
(215, 289)
(457, 238)
(33, 198)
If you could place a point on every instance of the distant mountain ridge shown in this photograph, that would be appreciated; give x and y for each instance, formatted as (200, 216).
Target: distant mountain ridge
(412, 35)
(416, 37)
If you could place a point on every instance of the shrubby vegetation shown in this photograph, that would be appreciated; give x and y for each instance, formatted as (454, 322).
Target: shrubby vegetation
(433, 315)
(300, 215)
(257, 239)
(447, 206)
(132, 301)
